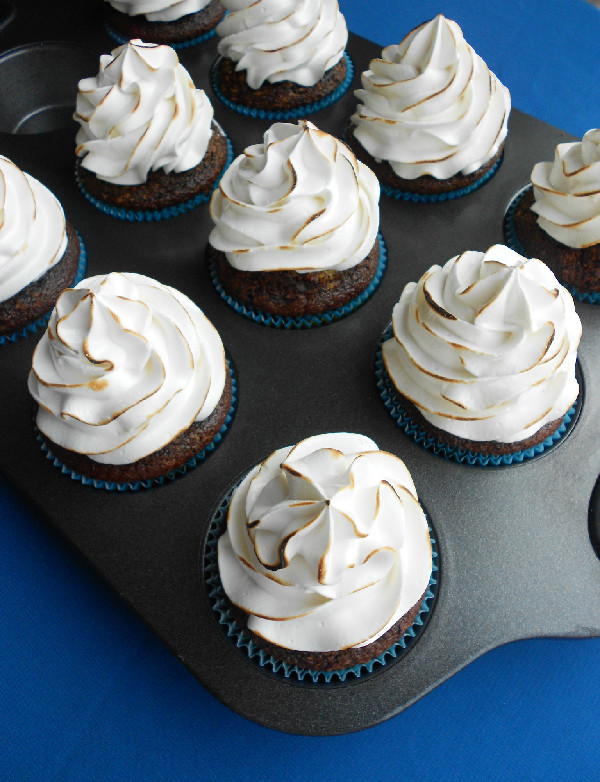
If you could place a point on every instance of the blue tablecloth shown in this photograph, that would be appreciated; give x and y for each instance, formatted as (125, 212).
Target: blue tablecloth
(88, 693)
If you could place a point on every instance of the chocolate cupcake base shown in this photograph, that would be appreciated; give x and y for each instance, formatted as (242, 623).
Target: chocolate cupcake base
(290, 293)
(36, 300)
(423, 188)
(576, 268)
(282, 100)
(184, 452)
(186, 31)
(162, 195)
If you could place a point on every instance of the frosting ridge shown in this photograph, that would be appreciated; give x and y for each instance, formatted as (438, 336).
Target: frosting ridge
(430, 105)
(125, 365)
(300, 200)
(281, 40)
(141, 113)
(567, 192)
(485, 346)
(33, 232)
(326, 544)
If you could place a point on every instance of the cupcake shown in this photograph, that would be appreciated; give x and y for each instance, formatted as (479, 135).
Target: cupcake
(432, 118)
(326, 558)
(180, 23)
(558, 218)
(40, 253)
(131, 381)
(147, 146)
(281, 59)
(482, 352)
(295, 225)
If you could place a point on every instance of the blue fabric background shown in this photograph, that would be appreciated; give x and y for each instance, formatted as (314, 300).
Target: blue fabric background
(88, 693)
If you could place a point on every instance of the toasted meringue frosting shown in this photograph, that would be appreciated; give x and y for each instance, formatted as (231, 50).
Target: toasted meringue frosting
(300, 200)
(485, 346)
(326, 544)
(141, 113)
(159, 10)
(283, 40)
(567, 192)
(430, 105)
(125, 365)
(33, 232)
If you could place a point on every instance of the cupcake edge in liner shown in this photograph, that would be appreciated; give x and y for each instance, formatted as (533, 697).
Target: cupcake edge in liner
(290, 114)
(221, 608)
(161, 479)
(306, 321)
(41, 323)
(429, 442)
(451, 195)
(510, 236)
(149, 215)
(177, 45)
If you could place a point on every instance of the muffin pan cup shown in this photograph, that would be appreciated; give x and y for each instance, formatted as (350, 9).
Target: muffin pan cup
(514, 543)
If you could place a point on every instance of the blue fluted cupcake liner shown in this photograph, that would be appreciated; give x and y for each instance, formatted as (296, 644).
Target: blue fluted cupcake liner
(429, 442)
(148, 215)
(221, 608)
(510, 237)
(402, 195)
(291, 114)
(162, 479)
(177, 45)
(42, 322)
(306, 321)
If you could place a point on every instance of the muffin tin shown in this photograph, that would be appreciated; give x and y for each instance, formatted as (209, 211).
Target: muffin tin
(516, 544)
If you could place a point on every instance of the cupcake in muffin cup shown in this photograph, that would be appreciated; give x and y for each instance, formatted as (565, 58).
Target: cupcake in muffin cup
(179, 23)
(557, 216)
(40, 252)
(131, 382)
(295, 239)
(148, 147)
(432, 119)
(281, 59)
(479, 363)
(326, 559)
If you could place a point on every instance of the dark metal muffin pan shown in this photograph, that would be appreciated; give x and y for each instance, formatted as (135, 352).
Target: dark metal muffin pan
(516, 556)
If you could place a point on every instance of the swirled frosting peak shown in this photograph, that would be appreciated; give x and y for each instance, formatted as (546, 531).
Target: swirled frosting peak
(159, 10)
(33, 233)
(430, 105)
(326, 544)
(300, 200)
(485, 346)
(141, 113)
(283, 40)
(125, 365)
(567, 192)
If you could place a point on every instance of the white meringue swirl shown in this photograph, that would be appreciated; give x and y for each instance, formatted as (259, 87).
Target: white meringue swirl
(159, 10)
(125, 365)
(326, 544)
(300, 200)
(141, 113)
(567, 192)
(430, 105)
(283, 40)
(485, 346)
(33, 232)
